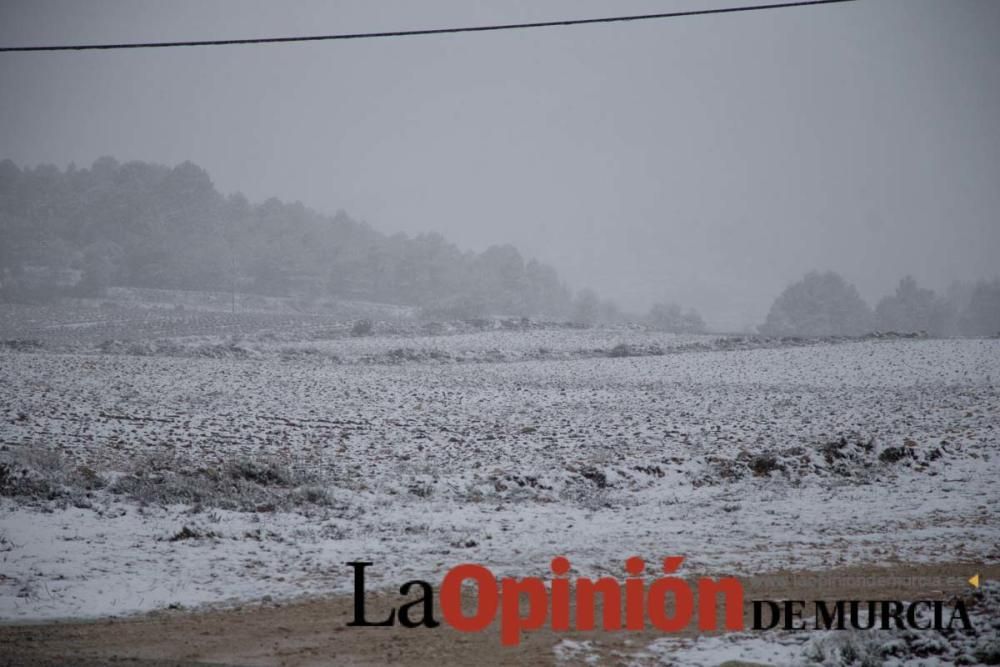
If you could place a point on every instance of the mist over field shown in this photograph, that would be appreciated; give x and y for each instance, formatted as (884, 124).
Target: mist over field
(722, 287)
(706, 162)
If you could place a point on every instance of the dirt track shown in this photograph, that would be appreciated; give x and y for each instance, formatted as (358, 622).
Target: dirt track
(314, 633)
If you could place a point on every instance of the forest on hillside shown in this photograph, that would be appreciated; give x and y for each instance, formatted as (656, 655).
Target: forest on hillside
(77, 231)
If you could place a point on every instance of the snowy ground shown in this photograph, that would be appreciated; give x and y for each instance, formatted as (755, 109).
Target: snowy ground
(503, 447)
(888, 648)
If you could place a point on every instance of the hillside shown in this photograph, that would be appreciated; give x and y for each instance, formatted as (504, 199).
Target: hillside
(136, 224)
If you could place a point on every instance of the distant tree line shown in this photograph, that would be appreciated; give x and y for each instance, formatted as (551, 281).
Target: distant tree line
(78, 231)
(670, 317)
(822, 304)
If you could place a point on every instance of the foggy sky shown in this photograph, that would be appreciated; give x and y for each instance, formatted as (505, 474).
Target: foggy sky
(706, 160)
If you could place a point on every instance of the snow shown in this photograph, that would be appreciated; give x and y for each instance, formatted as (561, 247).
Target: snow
(508, 462)
(892, 648)
(826, 648)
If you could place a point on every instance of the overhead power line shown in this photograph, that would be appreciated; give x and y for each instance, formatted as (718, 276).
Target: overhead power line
(411, 33)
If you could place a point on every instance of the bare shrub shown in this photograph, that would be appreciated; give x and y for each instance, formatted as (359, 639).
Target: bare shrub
(362, 328)
(242, 485)
(39, 473)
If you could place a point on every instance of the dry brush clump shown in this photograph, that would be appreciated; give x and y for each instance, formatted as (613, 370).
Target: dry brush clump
(247, 485)
(851, 457)
(362, 328)
(978, 646)
(635, 350)
(231, 349)
(39, 475)
(21, 345)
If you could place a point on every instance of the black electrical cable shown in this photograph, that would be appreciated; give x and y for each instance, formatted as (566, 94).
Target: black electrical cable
(410, 33)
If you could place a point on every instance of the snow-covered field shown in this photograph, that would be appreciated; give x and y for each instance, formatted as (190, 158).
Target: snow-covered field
(418, 450)
(888, 648)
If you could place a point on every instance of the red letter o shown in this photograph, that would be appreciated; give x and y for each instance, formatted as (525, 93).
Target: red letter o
(451, 597)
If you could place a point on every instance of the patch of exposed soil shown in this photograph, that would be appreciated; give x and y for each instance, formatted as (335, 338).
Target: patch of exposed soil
(314, 632)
